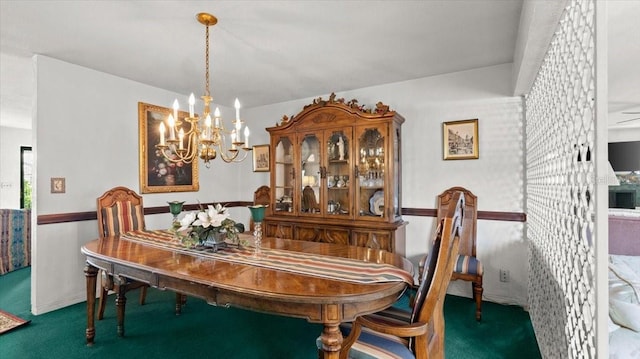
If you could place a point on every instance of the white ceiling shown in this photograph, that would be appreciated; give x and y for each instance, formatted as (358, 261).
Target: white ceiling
(273, 51)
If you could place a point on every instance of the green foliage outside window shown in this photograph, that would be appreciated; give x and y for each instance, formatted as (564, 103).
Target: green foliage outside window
(26, 195)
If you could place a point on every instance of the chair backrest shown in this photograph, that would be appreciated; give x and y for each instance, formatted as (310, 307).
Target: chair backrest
(428, 305)
(119, 210)
(468, 235)
(262, 195)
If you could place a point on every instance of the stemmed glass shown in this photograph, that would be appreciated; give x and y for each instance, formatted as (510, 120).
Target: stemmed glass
(257, 214)
(175, 207)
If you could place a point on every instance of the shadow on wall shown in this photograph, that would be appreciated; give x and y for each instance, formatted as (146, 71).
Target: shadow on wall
(549, 312)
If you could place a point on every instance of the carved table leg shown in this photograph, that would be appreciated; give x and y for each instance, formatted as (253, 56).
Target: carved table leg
(121, 302)
(331, 338)
(90, 273)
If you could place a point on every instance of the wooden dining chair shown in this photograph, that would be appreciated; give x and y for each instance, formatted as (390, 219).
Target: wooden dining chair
(420, 333)
(120, 210)
(468, 267)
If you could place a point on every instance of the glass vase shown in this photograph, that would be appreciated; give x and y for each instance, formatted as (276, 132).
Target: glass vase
(257, 214)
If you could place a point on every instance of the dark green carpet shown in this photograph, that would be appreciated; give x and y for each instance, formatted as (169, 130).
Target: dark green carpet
(153, 331)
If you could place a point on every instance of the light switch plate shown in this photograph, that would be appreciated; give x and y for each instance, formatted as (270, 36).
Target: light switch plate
(58, 185)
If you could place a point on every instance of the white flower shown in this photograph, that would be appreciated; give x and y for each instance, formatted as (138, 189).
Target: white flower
(194, 226)
(186, 221)
(213, 216)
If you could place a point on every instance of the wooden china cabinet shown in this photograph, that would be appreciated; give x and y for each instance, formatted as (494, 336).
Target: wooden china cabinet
(335, 176)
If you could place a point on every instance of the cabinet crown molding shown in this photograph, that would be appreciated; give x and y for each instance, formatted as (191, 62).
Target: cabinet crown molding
(351, 105)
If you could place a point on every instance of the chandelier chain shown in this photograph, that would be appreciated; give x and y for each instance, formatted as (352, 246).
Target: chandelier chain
(206, 83)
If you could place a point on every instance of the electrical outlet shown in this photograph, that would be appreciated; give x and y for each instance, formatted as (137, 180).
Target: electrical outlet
(504, 275)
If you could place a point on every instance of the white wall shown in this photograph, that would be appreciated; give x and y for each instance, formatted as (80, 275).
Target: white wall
(624, 134)
(496, 177)
(86, 130)
(11, 139)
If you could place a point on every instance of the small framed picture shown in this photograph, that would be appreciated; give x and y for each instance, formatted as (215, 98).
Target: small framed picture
(460, 140)
(57, 185)
(261, 158)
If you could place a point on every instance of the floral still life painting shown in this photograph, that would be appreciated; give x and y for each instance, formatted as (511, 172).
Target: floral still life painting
(211, 226)
(162, 172)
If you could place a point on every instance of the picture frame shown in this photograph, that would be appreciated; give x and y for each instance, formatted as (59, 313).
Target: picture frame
(261, 158)
(58, 185)
(158, 174)
(460, 140)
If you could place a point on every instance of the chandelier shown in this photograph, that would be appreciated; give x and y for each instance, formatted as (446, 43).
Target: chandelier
(204, 140)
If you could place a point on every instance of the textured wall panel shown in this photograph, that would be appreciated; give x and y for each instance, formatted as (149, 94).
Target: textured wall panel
(560, 189)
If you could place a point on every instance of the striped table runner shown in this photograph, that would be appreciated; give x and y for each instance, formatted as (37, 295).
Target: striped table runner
(337, 268)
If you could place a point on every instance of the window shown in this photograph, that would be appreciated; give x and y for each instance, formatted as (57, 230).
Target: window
(26, 176)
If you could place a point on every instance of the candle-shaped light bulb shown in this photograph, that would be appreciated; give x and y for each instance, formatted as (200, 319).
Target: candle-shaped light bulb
(237, 106)
(233, 139)
(181, 137)
(192, 101)
(216, 116)
(246, 137)
(172, 128)
(207, 129)
(162, 133)
(175, 109)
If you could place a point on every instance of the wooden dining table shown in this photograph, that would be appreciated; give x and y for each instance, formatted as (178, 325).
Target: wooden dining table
(255, 282)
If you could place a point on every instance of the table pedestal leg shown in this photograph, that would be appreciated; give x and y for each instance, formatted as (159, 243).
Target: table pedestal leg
(121, 301)
(91, 273)
(331, 338)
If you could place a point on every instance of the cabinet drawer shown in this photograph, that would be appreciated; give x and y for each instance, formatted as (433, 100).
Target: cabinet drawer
(320, 234)
(373, 239)
(278, 230)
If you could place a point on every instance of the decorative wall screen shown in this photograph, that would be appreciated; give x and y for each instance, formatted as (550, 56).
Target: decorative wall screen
(560, 189)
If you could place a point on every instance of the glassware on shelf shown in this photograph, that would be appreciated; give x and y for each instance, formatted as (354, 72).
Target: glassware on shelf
(257, 214)
(331, 181)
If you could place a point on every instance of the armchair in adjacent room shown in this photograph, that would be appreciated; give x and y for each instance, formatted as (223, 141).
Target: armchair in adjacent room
(418, 333)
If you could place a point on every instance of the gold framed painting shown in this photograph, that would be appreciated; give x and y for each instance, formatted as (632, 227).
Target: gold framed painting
(159, 174)
(261, 158)
(460, 140)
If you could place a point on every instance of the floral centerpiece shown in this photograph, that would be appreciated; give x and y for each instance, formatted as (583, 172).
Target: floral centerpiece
(212, 225)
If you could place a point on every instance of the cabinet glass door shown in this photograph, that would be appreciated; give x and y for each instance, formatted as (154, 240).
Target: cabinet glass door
(283, 176)
(371, 173)
(310, 165)
(338, 173)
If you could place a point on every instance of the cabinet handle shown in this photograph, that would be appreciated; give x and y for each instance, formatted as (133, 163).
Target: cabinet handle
(323, 172)
(356, 170)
